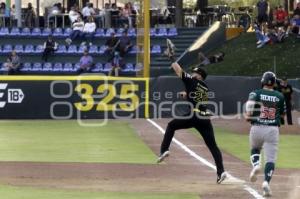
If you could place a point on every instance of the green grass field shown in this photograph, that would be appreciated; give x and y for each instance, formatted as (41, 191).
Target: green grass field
(243, 58)
(66, 141)
(10, 192)
(238, 146)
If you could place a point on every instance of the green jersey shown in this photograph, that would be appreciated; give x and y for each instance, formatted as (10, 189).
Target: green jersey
(269, 106)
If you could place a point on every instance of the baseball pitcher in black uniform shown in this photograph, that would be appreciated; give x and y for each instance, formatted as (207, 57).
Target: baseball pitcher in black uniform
(197, 94)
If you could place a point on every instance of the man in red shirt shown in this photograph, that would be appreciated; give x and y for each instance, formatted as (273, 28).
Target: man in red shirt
(280, 17)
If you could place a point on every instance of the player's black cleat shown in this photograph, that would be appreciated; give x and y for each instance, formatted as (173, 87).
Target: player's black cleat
(162, 156)
(221, 177)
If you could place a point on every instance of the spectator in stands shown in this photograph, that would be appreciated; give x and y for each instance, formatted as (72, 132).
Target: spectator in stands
(287, 91)
(297, 10)
(111, 44)
(49, 47)
(86, 62)
(116, 65)
(266, 35)
(115, 12)
(13, 63)
(5, 12)
(206, 60)
(125, 44)
(125, 17)
(73, 15)
(295, 25)
(13, 15)
(55, 10)
(280, 17)
(262, 11)
(78, 26)
(89, 30)
(88, 11)
(29, 16)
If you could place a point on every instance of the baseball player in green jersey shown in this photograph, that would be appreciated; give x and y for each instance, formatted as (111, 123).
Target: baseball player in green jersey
(264, 109)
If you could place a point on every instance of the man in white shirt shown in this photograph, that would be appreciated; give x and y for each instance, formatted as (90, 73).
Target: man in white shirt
(73, 15)
(78, 26)
(89, 31)
(88, 11)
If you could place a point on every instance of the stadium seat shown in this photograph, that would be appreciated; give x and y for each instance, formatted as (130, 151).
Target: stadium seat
(15, 31)
(2, 67)
(152, 32)
(47, 32)
(61, 49)
(93, 49)
(120, 32)
(68, 67)
(39, 49)
(99, 32)
(47, 67)
(4, 31)
(67, 32)
(98, 68)
(172, 32)
(76, 66)
(109, 31)
(58, 32)
(131, 32)
(156, 49)
(81, 49)
(29, 48)
(107, 67)
(128, 67)
(7, 48)
(72, 49)
(36, 32)
(162, 32)
(37, 67)
(26, 32)
(102, 49)
(58, 67)
(135, 49)
(26, 67)
(19, 48)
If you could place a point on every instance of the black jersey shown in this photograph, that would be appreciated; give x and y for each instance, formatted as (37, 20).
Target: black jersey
(197, 91)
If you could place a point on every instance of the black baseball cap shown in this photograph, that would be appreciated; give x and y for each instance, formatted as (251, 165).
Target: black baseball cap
(200, 71)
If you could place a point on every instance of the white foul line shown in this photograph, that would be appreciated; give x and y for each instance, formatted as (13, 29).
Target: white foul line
(250, 190)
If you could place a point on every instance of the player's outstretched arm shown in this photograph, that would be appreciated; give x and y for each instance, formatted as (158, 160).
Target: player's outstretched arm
(177, 68)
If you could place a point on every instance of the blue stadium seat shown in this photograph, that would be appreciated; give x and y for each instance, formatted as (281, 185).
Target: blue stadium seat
(67, 32)
(58, 67)
(172, 32)
(39, 49)
(29, 48)
(26, 32)
(26, 67)
(36, 32)
(162, 32)
(128, 67)
(2, 68)
(4, 31)
(102, 49)
(7, 48)
(138, 67)
(98, 68)
(37, 67)
(156, 49)
(19, 48)
(72, 49)
(152, 32)
(68, 67)
(81, 49)
(135, 49)
(58, 32)
(61, 49)
(93, 49)
(109, 31)
(46, 32)
(131, 32)
(120, 32)
(76, 66)
(107, 67)
(14, 31)
(47, 67)
(99, 32)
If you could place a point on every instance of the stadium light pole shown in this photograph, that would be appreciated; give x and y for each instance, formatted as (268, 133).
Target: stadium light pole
(18, 12)
(146, 38)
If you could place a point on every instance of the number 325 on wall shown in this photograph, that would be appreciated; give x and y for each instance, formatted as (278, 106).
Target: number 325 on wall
(107, 97)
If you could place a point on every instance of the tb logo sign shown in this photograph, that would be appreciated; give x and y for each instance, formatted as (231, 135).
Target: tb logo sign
(14, 96)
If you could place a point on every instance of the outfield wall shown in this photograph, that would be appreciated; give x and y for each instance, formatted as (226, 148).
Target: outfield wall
(92, 97)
